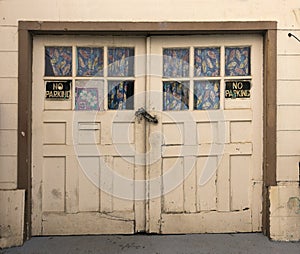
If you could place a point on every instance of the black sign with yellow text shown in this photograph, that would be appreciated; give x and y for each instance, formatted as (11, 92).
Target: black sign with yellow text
(237, 89)
(58, 90)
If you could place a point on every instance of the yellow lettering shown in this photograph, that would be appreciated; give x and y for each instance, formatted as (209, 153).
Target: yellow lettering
(237, 85)
(237, 93)
(57, 91)
(60, 86)
(228, 94)
(246, 93)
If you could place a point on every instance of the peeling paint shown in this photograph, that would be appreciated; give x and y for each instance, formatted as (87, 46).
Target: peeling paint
(5, 231)
(294, 204)
(296, 13)
(11, 217)
(114, 217)
(56, 193)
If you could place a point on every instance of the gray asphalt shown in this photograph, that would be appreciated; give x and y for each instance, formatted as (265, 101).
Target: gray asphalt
(156, 244)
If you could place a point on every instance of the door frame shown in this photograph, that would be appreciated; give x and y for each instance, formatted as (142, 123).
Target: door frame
(28, 29)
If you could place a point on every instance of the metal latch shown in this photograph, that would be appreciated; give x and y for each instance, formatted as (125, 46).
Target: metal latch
(141, 112)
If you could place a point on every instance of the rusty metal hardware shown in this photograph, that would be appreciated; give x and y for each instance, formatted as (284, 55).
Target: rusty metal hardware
(291, 35)
(141, 112)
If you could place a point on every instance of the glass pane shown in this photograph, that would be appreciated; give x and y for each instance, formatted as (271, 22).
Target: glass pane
(207, 94)
(207, 62)
(176, 63)
(237, 61)
(89, 95)
(120, 62)
(89, 62)
(120, 94)
(175, 95)
(58, 61)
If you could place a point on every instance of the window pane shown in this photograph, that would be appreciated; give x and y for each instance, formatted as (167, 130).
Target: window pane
(89, 95)
(58, 61)
(176, 63)
(120, 62)
(175, 95)
(207, 62)
(207, 94)
(237, 61)
(89, 61)
(120, 94)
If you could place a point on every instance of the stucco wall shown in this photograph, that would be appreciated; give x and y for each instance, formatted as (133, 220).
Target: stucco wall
(285, 12)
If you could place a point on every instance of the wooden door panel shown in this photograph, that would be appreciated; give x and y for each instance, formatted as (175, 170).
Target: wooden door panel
(85, 154)
(210, 165)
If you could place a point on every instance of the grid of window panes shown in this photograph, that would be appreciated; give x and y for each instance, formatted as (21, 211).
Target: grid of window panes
(202, 70)
(96, 83)
(105, 76)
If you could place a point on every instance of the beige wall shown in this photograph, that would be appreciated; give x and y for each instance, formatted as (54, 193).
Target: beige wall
(288, 101)
(8, 104)
(285, 12)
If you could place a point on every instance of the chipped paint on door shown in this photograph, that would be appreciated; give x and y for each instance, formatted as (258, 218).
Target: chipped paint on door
(211, 150)
(76, 138)
(149, 141)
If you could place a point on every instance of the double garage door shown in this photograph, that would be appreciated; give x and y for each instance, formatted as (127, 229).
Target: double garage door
(157, 134)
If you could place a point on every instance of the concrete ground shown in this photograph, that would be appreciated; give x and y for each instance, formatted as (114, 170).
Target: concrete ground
(156, 244)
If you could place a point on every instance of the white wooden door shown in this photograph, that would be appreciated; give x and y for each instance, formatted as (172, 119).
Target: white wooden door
(205, 171)
(97, 168)
(87, 147)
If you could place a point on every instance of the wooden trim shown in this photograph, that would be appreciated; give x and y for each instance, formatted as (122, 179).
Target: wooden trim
(146, 27)
(24, 122)
(270, 106)
(27, 29)
(269, 122)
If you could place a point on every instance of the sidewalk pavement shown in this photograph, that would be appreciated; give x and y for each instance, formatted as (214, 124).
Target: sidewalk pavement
(156, 244)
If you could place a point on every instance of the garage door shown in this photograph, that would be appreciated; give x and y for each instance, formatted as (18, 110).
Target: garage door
(156, 134)
(209, 101)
